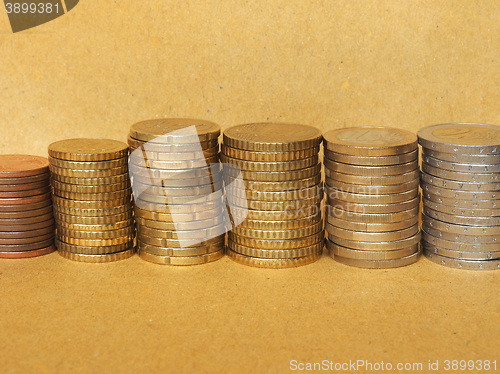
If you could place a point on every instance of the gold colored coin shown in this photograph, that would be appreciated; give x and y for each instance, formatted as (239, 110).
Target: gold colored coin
(277, 243)
(113, 195)
(359, 198)
(372, 160)
(380, 264)
(173, 165)
(73, 173)
(269, 156)
(282, 206)
(88, 149)
(276, 253)
(371, 217)
(272, 137)
(181, 225)
(179, 209)
(144, 174)
(240, 214)
(178, 217)
(279, 234)
(270, 166)
(181, 261)
(371, 190)
(170, 243)
(370, 236)
(101, 181)
(78, 249)
(95, 228)
(376, 245)
(180, 200)
(374, 181)
(272, 263)
(205, 234)
(95, 204)
(298, 194)
(365, 255)
(182, 252)
(88, 165)
(281, 186)
(84, 189)
(278, 176)
(143, 152)
(374, 227)
(98, 220)
(95, 242)
(370, 141)
(204, 189)
(127, 231)
(375, 208)
(93, 212)
(172, 148)
(375, 171)
(98, 258)
(174, 130)
(280, 225)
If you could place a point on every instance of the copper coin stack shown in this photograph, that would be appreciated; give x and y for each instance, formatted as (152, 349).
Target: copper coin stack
(178, 192)
(92, 200)
(274, 191)
(372, 180)
(461, 194)
(26, 218)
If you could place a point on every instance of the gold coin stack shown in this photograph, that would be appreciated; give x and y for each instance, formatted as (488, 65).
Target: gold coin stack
(26, 218)
(92, 200)
(461, 184)
(274, 191)
(372, 180)
(178, 192)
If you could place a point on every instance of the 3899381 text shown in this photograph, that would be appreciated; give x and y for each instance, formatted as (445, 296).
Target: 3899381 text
(33, 8)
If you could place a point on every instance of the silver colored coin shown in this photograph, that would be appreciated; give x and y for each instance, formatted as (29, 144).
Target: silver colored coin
(376, 246)
(140, 172)
(181, 225)
(282, 206)
(461, 167)
(460, 195)
(205, 234)
(463, 158)
(371, 236)
(462, 220)
(458, 203)
(374, 208)
(458, 246)
(455, 185)
(358, 198)
(372, 217)
(279, 234)
(357, 254)
(462, 264)
(275, 253)
(459, 254)
(275, 186)
(179, 191)
(280, 225)
(178, 209)
(293, 194)
(381, 264)
(365, 170)
(145, 153)
(460, 238)
(461, 138)
(171, 165)
(371, 160)
(372, 227)
(464, 212)
(173, 243)
(181, 252)
(388, 180)
(172, 148)
(460, 229)
(241, 214)
(371, 190)
(461, 176)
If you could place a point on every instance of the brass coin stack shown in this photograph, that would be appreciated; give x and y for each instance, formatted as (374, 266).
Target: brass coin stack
(92, 199)
(276, 209)
(178, 192)
(26, 219)
(372, 179)
(461, 195)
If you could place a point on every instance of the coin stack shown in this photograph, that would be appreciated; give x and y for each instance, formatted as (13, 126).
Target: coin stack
(178, 192)
(372, 180)
(274, 191)
(26, 218)
(92, 199)
(461, 195)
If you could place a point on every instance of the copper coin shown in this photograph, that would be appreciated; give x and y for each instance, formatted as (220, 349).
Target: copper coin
(13, 166)
(25, 200)
(28, 220)
(27, 234)
(27, 247)
(28, 254)
(45, 207)
(25, 240)
(25, 180)
(27, 228)
(25, 193)
(24, 186)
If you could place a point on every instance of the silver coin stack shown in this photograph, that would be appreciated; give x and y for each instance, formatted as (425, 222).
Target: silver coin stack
(461, 195)
(177, 186)
(372, 211)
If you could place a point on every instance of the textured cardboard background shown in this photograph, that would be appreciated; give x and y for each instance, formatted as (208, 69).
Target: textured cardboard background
(108, 64)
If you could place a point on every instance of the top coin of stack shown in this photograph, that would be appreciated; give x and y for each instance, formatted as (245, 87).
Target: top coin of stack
(372, 180)
(178, 194)
(92, 199)
(273, 188)
(461, 185)
(26, 219)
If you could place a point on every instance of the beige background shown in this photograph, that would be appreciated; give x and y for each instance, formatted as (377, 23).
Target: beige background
(108, 64)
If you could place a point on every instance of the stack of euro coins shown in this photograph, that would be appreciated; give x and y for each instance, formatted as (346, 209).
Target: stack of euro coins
(92, 200)
(26, 219)
(461, 195)
(178, 191)
(274, 191)
(371, 183)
